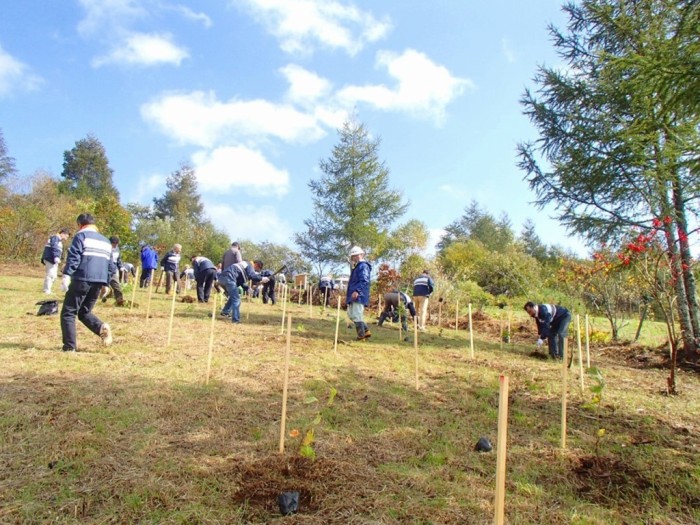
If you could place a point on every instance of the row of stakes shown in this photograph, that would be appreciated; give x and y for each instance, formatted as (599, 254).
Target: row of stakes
(499, 505)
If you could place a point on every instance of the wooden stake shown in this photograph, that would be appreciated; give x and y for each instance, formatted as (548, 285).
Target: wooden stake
(457, 316)
(510, 325)
(283, 420)
(415, 346)
(285, 293)
(211, 337)
(311, 301)
(337, 326)
(564, 369)
(172, 313)
(133, 290)
(500, 330)
(439, 314)
(471, 333)
(150, 292)
(501, 452)
(588, 350)
(580, 353)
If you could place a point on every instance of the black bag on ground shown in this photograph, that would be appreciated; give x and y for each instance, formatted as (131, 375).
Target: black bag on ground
(48, 307)
(288, 502)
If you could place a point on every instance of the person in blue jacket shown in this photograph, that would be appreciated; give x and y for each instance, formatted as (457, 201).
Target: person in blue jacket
(88, 267)
(205, 275)
(238, 275)
(357, 297)
(552, 324)
(149, 262)
(51, 257)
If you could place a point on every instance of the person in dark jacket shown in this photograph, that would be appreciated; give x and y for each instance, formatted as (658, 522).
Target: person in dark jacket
(268, 288)
(171, 267)
(232, 255)
(88, 267)
(552, 324)
(149, 262)
(51, 257)
(325, 288)
(357, 297)
(391, 308)
(205, 275)
(235, 276)
(114, 278)
(422, 288)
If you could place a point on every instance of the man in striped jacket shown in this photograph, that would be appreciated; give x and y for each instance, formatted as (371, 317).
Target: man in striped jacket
(422, 288)
(88, 267)
(171, 266)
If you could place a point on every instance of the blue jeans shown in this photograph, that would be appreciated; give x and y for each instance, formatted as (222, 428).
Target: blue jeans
(557, 332)
(233, 304)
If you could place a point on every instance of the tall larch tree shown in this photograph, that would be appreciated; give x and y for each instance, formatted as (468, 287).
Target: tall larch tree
(86, 172)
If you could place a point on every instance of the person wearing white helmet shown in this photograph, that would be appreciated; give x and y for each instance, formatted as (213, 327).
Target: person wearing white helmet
(358, 291)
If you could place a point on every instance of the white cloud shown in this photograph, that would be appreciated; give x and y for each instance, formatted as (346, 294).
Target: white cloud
(146, 187)
(199, 118)
(250, 222)
(14, 75)
(507, 50)
(101, 14)
(304, 85)
(189, 14)
(141, 49)
(422, 86)
(434, 237)
(233, 167)
(300, 25)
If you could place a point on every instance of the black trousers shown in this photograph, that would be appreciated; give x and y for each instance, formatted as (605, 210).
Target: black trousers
(80, 299)
(116, 287)
(146, 277)
(268, 291)
(205, 280)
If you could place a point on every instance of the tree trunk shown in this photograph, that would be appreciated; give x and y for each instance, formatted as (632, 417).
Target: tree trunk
(679, 287)
(642, 317)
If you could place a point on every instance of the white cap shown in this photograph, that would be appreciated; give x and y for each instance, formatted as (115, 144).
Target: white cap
(356, 250)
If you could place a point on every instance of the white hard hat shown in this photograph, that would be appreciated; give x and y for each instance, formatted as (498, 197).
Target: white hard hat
(356, 250)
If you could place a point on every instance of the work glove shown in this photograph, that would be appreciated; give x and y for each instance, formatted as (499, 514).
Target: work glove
(65, 283)
(540, 342)
(56, 260)
(265, 280)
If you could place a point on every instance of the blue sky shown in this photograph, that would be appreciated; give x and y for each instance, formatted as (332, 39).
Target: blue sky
(251, 92)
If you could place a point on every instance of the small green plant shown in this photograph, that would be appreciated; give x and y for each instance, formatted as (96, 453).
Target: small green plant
(301, 328)
(599, 336)
(306, 448)
(594, 404)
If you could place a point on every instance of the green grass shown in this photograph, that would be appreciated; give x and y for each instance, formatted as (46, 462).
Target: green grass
(132, 434)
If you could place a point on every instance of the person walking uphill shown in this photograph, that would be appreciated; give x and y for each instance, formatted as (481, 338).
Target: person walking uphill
(88, 267)
(422, 288)
(115, 277)
(357, 297)
(552, 324)
(51, 257)
(205, 275)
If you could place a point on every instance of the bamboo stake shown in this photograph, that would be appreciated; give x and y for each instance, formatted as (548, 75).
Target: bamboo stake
(588, 350)
(471, 333)
(498, 518)
(311, 296)
(172, 314)
(564, 378)
(510, 326)
(211, 337)
(133, 290)
(283, 420)
(285, 293)
(439, 314)
(415, 346)
(150, 293)
(580, 353)
(456, 316)
(501, 329)
(337, 326)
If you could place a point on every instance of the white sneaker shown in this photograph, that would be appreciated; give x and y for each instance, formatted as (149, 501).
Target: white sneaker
(106, 334)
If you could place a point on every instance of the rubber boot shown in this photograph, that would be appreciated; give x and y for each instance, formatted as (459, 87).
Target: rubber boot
(368, 334)
(360, 327)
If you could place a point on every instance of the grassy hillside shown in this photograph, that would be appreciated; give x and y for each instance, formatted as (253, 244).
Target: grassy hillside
(132, 434)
